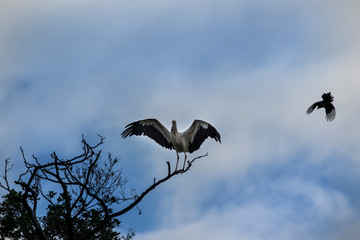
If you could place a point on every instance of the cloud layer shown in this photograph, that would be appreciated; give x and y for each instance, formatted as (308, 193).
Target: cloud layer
(74, 67)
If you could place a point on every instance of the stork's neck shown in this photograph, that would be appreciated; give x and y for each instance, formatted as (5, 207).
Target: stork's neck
(174, 130)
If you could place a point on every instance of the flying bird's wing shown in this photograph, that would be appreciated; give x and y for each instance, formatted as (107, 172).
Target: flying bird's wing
(198, 132)
(330, 111)
(151, 128)
(312, 107)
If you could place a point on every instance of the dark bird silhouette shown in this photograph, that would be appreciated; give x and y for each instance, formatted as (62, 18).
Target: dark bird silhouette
(325, 103)
(188, 141)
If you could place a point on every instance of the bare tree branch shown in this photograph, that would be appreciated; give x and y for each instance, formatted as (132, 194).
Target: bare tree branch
(5, 177)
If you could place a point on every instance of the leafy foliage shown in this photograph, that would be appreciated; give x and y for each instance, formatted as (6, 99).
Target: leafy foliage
(16, 224)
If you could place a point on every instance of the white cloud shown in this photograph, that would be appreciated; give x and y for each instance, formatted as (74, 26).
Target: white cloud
(262, 128)
(69, 69)
(260, 217)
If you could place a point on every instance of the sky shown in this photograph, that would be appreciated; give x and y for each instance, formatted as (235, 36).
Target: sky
(250, 68)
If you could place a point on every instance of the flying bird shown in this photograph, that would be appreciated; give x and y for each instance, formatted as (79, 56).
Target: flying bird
(325, 103)
(188, 141)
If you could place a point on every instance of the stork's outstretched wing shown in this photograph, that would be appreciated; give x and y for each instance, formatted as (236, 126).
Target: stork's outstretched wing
(151, 128)
(198, 132)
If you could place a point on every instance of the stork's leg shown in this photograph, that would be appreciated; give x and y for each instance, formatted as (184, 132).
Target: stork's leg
(184, 160)
(177, 154)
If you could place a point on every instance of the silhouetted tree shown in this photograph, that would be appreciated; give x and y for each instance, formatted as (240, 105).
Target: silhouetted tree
(84, 190)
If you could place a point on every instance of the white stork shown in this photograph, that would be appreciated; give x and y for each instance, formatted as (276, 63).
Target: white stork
(188, 141)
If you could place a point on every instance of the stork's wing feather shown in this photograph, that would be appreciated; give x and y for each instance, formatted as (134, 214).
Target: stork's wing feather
(312, 107)
(198, 132)
(151, 128)
(330, 111)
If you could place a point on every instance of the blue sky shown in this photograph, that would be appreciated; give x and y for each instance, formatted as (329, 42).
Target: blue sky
(250, 68)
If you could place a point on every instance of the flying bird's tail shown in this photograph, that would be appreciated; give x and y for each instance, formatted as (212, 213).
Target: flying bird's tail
(327, 97)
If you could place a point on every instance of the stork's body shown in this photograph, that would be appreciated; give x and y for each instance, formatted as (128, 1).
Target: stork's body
(188, 141)
(179, 142)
